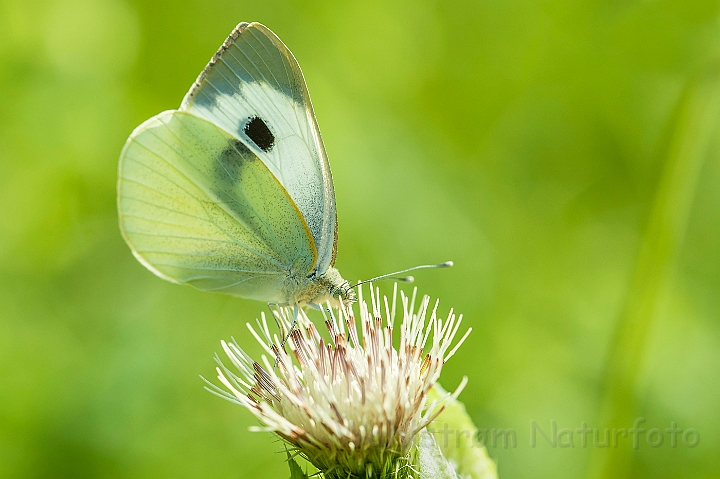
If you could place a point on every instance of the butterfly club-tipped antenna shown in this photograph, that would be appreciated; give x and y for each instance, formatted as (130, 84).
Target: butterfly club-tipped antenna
(406, 279)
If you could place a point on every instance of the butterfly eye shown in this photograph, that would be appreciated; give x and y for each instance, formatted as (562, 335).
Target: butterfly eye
(259, 133)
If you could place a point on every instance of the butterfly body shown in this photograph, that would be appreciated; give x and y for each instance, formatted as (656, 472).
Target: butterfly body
(232, 192)
(303, 290)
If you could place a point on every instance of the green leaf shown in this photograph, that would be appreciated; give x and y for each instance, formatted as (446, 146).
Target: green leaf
(459, 443)
(295, 471)
(430, 460)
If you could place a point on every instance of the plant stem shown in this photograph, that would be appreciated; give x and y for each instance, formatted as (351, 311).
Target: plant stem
(694, 126)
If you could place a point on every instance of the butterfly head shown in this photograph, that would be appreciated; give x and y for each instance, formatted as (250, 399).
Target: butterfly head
(345, 294)
(336, 289)
(341, 291)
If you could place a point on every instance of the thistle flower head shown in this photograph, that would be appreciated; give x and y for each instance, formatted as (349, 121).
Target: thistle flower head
(353, 403)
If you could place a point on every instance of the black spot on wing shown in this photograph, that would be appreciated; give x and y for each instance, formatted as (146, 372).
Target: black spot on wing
(230, 163)
(236, 150)
(257, 130)
(231, 170)
(234, 155)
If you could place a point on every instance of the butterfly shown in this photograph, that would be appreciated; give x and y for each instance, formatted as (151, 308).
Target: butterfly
(232, 192)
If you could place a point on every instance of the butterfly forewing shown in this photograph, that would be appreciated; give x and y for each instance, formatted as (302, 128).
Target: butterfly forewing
(198, 206)
(253, 89)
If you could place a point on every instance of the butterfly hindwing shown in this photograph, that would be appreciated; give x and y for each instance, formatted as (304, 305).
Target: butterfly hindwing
(197, 206)
(254, 90)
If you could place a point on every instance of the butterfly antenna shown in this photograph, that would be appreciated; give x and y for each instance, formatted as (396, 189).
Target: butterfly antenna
(407, 279)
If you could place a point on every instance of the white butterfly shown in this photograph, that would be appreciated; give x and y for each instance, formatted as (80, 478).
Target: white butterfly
(232, 192)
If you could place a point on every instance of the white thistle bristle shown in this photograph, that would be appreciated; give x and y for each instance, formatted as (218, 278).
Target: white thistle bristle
(353, 402)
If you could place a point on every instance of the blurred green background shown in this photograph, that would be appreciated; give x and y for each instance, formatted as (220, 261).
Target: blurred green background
(563, 153)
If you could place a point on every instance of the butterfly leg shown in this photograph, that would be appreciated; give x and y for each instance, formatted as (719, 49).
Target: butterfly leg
(296, 311)
(319, 307)
(272, 307)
